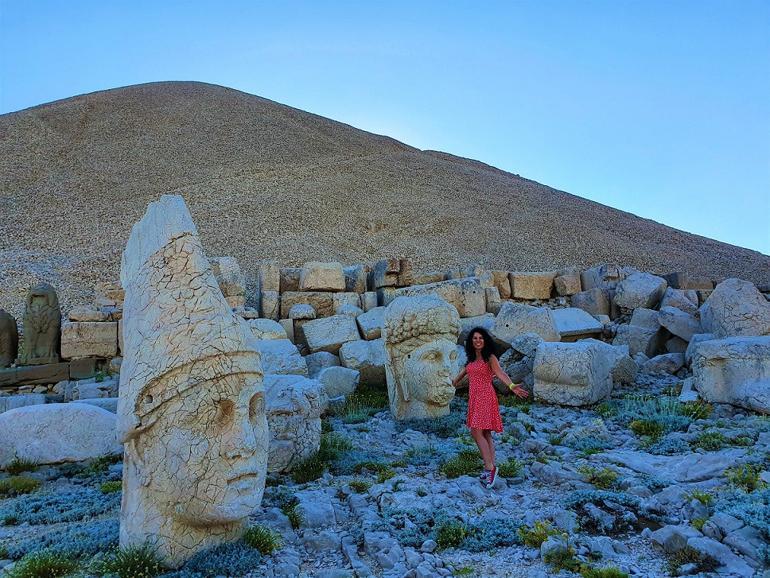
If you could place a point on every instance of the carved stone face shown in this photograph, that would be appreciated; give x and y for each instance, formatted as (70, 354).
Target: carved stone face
(205, 456)
(427, 372)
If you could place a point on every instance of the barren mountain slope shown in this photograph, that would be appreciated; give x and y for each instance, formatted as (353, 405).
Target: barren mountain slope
(266, 180)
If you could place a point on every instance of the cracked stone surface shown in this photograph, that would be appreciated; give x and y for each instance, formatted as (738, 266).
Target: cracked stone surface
(736, 308)
(191, 411)
(420, 335)
(572, 373)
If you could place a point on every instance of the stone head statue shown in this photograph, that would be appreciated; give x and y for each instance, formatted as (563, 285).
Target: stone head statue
(191, 410)
(42, 326)
(420, 336)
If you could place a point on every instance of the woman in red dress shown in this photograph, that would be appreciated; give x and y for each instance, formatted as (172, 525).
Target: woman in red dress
(483, 410)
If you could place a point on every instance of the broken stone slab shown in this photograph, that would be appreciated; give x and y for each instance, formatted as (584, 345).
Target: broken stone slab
(730, 563)
(107, 403)
(368, 300)
(678, 322)
(466, 294)
(502, 282)
(368, 358)
(697, 338)
(682, 468)
(339, 300)
(34, 374)
(494, 303)
(736, 308)
(667, 363)
(302, 311)
(594, 301)
(639, 339)
(355, 278)
(646, 318)
(432, 277)
(517, 318)
(281, 357)
(486, 321)
(640, 290)
(672, 539)
(575, 323)
(318, 276)
(270, 305)
(294, 405)
(566, 285)
(269, 275)
(56, 433)
(289, 279)
(321, 360)
(532, 285)
(87, 313)
(330, 333)
(385, 295)
(684, 299)
(735, 370)
(288, 329)
(87, 388)
(574, 374)
(322, 302)
(266, 329)
(231, 280)
(392, 272)
(370, 323)
(8, 402)
(682, 280)
(89, 339)
(676, 345)
(338, 381)
(604, 276)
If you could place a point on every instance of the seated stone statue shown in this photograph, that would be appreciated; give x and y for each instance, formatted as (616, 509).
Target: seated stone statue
(42, 326)
(191, 411)
(420, 336)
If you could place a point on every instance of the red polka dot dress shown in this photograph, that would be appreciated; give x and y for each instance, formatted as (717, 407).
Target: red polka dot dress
(483, 411)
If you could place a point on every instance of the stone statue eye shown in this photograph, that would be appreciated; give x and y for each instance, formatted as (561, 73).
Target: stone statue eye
(453, 356)
(225, 410)
(256, 405)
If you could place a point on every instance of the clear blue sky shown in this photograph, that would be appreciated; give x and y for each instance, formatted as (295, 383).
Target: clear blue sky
(657, 108)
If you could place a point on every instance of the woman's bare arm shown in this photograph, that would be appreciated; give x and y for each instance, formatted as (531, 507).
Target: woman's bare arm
(502, 376)
(457, 380)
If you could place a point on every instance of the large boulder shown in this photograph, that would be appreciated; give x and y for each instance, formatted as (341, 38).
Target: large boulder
(640, 290)
(679, 323)
(316, 276)
(89, 339)
(735, 370)
(573, 323)
(667, 363)
(267, 329)
(338, 381)
(736, 308)
(55, 433)
(466, 294)
(370, 323)
(9, 402)
(517, 318)
(294, 405)
(643, 334)
(532, 285)
(594, 301)
(322, 302)
(574, 374)
(330, 333)
(684, 299)
(230, 279)
(281, 357)
(368, 358)
(321, 360)
(605, 276)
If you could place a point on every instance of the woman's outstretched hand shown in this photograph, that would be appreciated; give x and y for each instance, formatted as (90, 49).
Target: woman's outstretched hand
(518, 391)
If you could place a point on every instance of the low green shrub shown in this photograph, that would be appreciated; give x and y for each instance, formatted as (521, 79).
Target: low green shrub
(538, 533)
(111, 487)
(647, 428)
(746, 477)
(689, 555)
(360, 486)
(704, 498)
(43, 564)
(450, 534)
(130, 562)
(20, 465)
(18, 485)
(263, 539)
(604, 478)
(463, 464)
(710, 441)
(308, 470)
(607, 572)
(510, 468)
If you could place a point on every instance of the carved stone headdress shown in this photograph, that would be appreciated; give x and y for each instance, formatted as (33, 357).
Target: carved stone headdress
(414, 321)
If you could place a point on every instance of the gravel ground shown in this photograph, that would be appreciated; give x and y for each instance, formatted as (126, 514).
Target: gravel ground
(268, 181)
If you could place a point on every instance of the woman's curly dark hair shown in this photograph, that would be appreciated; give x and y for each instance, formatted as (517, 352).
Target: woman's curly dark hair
(486, 351)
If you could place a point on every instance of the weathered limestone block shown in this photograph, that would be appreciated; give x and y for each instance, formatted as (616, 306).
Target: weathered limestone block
(109, 404)
(9, 339)
(486, 321)
(574, 374)
(338, 381)
(532, 285)
(640, 290)
(646, 318)
(573, 323)
(466, 295)
(368, 358)
(87, 313)
(685, 300)
(270, 305)
(697, 338)
(280, 357)
(735, 370)
(639, 339)
(392, 272)
(8, 402)
(86, 388)
(736, 308)
(517, 318)
(369, 300)
(191, 412)
(494, 303)
(42, 323)
(109, 294)
(624, 368)
(34, 374)
(317, 276)
(345, 298)
(370, 323)
(567, 282)
(678, 322)
(355, 278)
(676, 345)
(594, 301)
(266, 329)
(681, 280)
(420, 336)
(501, 280)
(434, 277)
(385, 295)
(321, 360)
(472, 270)
(302, 311)
(288, 328)
(294, 405)
(289, 280)
(269, 275)
(666, 363)
(55, 433)
(322, 302)
(350, 310)
(89, 339)
(231, 280)
(605, 276)
(330, 333)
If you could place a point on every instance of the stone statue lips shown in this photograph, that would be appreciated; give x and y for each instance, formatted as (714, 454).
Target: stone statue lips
(244, 479)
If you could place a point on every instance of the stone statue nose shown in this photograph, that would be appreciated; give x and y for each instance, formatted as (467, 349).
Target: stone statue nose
(242, 440)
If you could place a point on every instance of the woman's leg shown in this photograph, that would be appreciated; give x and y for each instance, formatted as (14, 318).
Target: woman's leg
(481, 442)
(491, 444)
